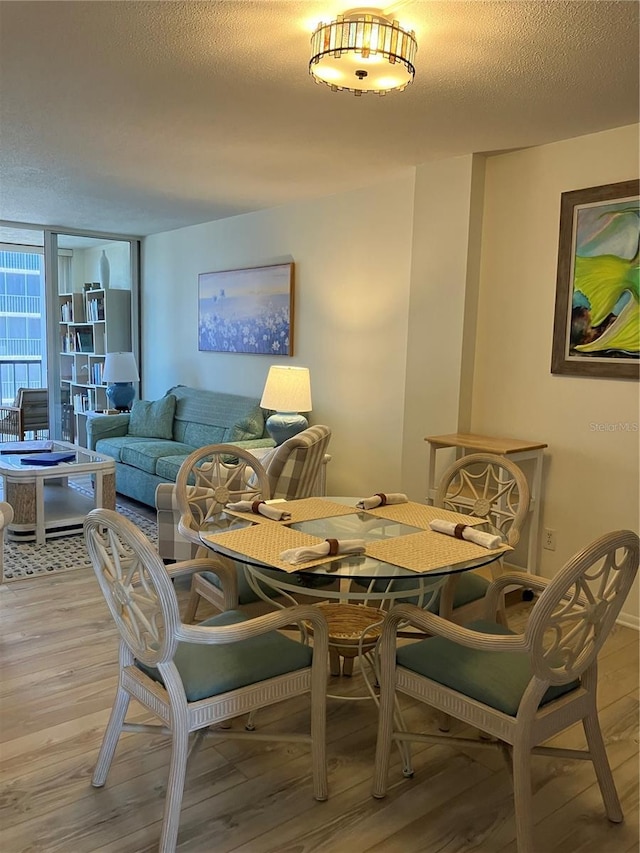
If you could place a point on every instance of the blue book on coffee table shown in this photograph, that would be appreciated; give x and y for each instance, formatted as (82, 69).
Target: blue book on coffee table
(48, 458)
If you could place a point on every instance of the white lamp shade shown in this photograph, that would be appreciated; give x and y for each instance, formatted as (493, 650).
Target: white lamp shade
(287, 389)
(120, 367)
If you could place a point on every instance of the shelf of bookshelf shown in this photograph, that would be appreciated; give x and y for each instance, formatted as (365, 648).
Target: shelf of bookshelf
(91, 323)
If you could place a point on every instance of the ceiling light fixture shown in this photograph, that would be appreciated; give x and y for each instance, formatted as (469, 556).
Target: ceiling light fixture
(363, 51)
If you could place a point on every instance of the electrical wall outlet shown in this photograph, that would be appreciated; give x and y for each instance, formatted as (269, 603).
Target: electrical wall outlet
(549, 539)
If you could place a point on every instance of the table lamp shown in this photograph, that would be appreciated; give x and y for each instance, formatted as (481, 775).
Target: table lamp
(119, 372)
(287, 391)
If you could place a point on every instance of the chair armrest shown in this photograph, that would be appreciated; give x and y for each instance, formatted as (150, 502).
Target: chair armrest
(214, 635)
(106, 426)
(191, 567)
(524, 580)
(429, 623)
(11, 422)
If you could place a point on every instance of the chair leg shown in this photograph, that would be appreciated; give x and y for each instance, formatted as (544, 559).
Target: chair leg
(175, 789)
(522, 796)
(334, 661)
(319, 742)
(386, 713)
(598, 754)
(110, 739)
(192, 606)
(347, 666)
(444, 721)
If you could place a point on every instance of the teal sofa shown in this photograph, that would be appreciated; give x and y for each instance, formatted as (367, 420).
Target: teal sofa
(150, 443)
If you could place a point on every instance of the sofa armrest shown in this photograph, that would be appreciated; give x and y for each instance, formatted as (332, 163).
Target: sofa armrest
(171, 543)
(321, 482)
(254, 443)
(106, 426)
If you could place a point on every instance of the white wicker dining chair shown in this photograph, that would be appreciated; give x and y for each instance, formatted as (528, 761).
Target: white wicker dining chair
(486, 486)
(208, 479)
(295, 469)
(193, 677)
(520, 689)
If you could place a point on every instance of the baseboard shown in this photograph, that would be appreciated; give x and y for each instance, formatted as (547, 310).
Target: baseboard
(629, 621)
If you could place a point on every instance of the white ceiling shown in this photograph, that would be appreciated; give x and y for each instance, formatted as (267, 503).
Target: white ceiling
(140, 117)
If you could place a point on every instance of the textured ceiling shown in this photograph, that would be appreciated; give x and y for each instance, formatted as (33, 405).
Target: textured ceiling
(139, 117)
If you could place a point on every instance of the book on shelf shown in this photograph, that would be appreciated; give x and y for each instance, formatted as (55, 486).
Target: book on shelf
(96, 373)
(84, 340)
(68, 342)
(80, 403)
(95, 309)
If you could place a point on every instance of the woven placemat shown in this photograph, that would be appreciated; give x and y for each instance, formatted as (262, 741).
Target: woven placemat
(419, 515)
(265, 543)
(428, 550)
(307, 509)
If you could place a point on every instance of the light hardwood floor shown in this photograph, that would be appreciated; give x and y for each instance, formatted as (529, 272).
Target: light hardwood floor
(58, 680)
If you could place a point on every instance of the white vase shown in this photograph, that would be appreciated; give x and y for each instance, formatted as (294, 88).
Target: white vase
(105, 270)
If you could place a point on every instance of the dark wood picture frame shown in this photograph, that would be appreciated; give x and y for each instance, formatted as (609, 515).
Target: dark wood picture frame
(247, 310)
(594, 225)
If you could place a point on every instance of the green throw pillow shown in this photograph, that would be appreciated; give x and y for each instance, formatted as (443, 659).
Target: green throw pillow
(153, 419)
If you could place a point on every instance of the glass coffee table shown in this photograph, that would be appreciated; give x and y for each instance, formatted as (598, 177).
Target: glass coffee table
(45, 505)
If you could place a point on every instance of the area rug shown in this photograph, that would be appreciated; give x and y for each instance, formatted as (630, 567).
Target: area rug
(27, 560)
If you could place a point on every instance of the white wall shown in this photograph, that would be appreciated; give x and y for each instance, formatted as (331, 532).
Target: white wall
(592, 476)
(442, 310)
(352, 256)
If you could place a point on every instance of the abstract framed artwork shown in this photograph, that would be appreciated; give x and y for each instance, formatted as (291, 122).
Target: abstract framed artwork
(247, 310)
(597, 315)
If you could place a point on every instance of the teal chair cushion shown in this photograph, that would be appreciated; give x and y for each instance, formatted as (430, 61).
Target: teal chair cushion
(497, 679)
(211, 670)
(245, 594)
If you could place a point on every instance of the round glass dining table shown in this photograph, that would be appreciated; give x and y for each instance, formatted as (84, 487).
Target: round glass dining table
(361, 577)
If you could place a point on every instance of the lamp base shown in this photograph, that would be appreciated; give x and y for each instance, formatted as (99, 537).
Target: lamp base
(284, 425)
(120, 396)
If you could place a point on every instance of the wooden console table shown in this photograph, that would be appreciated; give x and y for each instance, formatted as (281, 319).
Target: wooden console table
(517, 451)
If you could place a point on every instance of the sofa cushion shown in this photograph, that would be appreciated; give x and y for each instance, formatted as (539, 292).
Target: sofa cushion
(153, 419)
(113, 446)
(199, 435)
(168, 466)
(145, 453)
(212, 417)
(247, 428)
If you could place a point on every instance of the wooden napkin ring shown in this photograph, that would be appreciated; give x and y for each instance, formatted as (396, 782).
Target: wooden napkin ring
(383, 498)
(255, 506)
(334, 547)
(458, 530)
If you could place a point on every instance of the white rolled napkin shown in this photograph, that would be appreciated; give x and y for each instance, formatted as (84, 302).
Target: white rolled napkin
(380, 499)
(329, 547)
(260, 508)
(486, 540)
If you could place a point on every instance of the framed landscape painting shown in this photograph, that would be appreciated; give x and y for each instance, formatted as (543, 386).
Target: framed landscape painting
(247, 310)
(597, 314)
